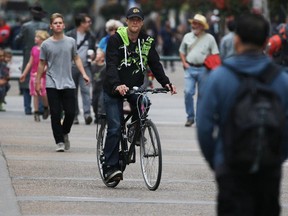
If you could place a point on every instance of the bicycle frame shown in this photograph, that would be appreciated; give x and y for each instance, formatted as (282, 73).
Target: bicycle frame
(129, 153)
(145, 133)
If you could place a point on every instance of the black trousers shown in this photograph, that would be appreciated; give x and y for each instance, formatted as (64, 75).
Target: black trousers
(249, 195)
(59, 101)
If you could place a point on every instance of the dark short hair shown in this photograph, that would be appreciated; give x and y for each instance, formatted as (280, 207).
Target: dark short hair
(252, 29)
(231, 25)
(80, 18)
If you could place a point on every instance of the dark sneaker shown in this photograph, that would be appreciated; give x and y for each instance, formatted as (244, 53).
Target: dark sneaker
(113, 174)
(66, 142)
(189, 123)
(76, 121)
(60, 147)
(36, 117)
(88, 120)
(46, 113)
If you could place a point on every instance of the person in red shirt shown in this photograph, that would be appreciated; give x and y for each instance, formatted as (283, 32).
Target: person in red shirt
(4, 33)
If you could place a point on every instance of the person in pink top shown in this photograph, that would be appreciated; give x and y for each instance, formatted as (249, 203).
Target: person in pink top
(32, 66)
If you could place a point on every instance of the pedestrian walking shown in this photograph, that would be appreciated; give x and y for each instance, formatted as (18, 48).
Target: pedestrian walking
(227, 48)
(195, 47)
(5, 33)
(111, 27)
(32, 67)
(98, 73)
(249, 177)
(167, 37)
(26, 39)
(86, 50)
(57, 52)
(4, 80)
(128, 54)
(277, 46)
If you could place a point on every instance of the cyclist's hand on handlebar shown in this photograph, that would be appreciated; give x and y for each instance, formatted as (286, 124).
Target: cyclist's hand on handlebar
(122, 89)
(171, 88)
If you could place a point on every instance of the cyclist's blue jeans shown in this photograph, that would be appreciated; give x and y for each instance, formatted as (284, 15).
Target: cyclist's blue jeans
(114, 117)
(193, 76)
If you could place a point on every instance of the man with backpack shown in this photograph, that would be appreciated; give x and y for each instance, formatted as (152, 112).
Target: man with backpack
(242, 124)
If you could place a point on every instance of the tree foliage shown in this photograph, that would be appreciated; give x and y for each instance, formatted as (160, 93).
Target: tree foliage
(66, 6)
(109, 11)
(278, 8)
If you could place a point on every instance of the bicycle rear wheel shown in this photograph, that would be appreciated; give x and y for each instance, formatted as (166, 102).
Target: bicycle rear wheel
(150, 155)
(101, 137)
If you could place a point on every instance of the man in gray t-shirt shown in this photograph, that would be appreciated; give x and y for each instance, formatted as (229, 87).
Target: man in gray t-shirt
(57, 53)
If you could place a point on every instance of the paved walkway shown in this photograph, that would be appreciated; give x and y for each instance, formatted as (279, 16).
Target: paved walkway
(36, 180)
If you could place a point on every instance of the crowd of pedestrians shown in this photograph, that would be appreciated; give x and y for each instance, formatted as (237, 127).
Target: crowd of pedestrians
(21, 36)
(191, 42)
(57, 63)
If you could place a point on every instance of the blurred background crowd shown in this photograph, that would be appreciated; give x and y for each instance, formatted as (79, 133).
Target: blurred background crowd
(165, 20)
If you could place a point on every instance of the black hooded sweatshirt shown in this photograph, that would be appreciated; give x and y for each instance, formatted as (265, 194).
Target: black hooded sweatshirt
(126, 62)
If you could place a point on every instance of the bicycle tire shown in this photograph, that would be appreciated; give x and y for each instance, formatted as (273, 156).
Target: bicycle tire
(100, 152)
(151, 155)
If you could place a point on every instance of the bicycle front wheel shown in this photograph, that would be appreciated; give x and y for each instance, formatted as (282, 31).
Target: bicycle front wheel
(101, 137)
(150, 155)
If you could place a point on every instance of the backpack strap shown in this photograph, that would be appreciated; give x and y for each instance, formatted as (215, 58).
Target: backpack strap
(266, 76)
(84, 39)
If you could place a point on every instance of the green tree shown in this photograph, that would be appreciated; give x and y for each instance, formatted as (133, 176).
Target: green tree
(66, 6)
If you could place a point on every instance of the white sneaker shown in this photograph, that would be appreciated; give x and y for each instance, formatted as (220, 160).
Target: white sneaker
(66, 142)
(60, 147)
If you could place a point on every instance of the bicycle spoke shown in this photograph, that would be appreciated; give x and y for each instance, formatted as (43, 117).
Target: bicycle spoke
(151, 158)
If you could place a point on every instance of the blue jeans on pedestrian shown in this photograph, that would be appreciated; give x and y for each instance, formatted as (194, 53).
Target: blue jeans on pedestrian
(114, 117)
(84, 89)
(192, 77)
(27, 101)
(59, 101)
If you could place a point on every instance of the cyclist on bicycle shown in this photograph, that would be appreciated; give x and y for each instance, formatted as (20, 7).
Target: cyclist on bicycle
(128, 54)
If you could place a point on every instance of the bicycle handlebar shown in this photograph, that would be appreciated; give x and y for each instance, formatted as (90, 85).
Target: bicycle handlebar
(136, 90)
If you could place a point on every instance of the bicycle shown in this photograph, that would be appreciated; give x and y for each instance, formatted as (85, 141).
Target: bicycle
(143, 130)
